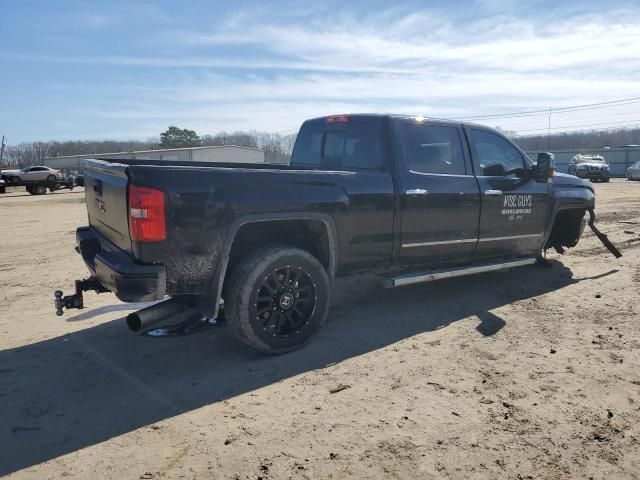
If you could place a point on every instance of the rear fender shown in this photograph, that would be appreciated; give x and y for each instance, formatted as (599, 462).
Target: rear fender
(211, 300)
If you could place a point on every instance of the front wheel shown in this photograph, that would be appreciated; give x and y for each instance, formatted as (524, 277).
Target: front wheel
(277, 298)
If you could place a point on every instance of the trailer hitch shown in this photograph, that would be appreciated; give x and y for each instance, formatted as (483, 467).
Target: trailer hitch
(76, 300)
(601, 236)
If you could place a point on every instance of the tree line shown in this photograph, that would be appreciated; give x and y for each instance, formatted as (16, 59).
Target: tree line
(278, 148)
(577, 140)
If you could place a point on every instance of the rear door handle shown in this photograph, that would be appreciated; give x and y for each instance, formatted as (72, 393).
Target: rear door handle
(417, 191)
(493, 192)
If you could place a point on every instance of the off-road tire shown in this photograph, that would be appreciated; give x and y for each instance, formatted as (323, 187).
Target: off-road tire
(249, 278)
(40, 190)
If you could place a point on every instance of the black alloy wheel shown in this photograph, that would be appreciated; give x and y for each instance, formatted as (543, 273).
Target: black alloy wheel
(277, 298)
(285, 301)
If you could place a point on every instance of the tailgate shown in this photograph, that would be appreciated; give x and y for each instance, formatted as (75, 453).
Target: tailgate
(106, 195)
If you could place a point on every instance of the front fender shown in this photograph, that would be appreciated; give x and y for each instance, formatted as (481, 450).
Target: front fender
(569, 193)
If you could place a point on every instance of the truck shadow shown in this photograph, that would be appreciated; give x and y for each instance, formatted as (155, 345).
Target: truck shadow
(71, 392)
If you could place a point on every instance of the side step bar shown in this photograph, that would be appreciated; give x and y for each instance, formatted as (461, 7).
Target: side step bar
(410, 279)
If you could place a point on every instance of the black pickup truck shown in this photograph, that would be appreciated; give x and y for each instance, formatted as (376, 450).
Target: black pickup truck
(407, 198)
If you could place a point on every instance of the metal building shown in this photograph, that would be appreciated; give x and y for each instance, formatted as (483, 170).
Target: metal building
(214, 154)
(619, 159)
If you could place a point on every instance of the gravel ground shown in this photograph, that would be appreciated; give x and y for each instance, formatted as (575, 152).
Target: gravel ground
(530, 373)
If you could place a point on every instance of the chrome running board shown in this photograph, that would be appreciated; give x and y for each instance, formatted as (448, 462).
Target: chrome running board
(410, 279)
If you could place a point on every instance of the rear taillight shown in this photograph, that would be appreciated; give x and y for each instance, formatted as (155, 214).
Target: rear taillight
(146, 214)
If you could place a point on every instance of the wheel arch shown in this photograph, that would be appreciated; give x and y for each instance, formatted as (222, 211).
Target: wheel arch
(567, 198)
(569, 212)
(213, 295)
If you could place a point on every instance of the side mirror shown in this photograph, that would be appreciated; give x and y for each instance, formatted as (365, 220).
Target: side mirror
(546, 167)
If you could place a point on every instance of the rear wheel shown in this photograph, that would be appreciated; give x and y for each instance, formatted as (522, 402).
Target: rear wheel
(277, 299)
(51, 178)
(40, 190)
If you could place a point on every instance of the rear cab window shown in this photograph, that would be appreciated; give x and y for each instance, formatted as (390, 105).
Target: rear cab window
(354, 144)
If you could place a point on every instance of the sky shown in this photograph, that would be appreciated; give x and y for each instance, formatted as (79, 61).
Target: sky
(127, 70)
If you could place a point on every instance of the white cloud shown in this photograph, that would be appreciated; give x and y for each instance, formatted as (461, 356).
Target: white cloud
(271, 72)
(387, 41)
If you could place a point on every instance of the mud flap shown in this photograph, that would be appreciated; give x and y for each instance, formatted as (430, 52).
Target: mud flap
(601, 236)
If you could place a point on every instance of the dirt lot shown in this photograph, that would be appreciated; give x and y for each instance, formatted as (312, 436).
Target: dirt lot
(531, 373)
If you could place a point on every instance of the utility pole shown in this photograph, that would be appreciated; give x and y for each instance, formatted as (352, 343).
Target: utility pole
(549, 132)
(1, 153)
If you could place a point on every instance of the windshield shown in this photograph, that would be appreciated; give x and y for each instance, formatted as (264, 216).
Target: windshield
(590, 160)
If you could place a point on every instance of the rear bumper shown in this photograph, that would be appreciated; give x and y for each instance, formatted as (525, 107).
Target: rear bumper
(117, 271)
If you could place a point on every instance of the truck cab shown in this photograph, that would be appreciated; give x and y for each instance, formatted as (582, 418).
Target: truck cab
(463, 191)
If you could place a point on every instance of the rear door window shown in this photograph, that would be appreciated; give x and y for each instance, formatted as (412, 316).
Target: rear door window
(354, 145)
(434, 149)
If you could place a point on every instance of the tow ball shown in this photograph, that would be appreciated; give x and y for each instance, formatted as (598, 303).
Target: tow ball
(76, 300)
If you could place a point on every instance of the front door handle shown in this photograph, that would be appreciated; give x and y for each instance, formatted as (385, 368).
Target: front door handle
(493, 192)
(417, 191)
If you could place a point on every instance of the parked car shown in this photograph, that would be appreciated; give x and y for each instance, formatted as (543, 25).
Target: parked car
(32, 174)
(633, 172)
(593, 167)
(396, 196)
(6, 174)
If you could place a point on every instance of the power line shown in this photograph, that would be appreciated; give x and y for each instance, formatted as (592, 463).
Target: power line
(534, 123)
(282, 131)
(618, 127)
(529, 113)
(574, 108)
(586, 125)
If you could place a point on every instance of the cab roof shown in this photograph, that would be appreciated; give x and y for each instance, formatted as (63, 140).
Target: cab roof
(346, 117)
